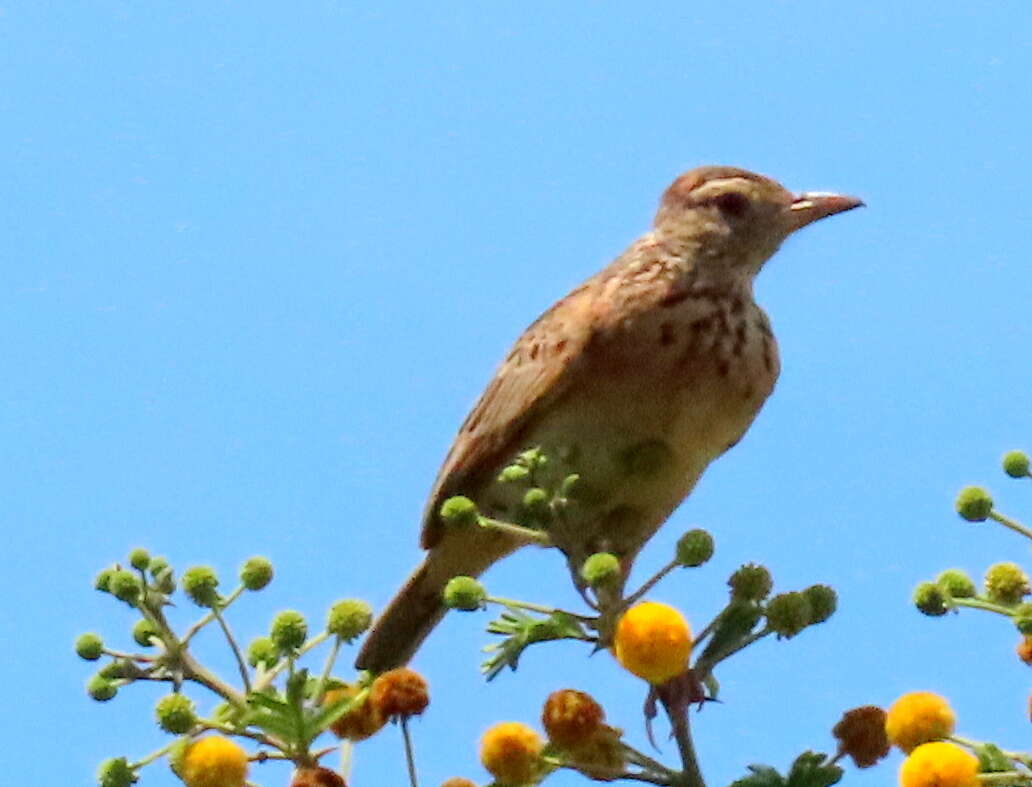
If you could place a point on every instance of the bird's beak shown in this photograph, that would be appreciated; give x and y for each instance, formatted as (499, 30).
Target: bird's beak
(813, 205)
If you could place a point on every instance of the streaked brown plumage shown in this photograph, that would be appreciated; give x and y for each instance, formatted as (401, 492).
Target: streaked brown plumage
(663, 355)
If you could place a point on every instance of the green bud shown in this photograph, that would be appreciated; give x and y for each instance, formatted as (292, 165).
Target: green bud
(157, 565)
(262, 650)
(139, 559)
(601, 570)
(532, 458)
(289, 630)
(256, 573)
(125, 586)
(100, 688)
(459, 511)
(199, 583)
(116, 773)
(1022, 616)
(164, 578)
(117, 668)
(103, 580)
(143, 632)
(349, 618)
(89, 647)
(788, 614)
(535, 501)
(956, 583)
(694, 548)
(751, 582)
(464, 593)
(930, 599)
(1016, 464)
(514, 474)
(176, 714)
(823, 602)
(1006, 583)
(974, 503)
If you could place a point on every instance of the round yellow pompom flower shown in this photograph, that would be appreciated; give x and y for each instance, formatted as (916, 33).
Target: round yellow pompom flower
(653, 641)
(214, 761)
(939, 765)
(511, 752)
(919, 717)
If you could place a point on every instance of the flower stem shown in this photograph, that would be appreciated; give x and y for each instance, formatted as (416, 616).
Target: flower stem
(526, 533)
(154, 755)
(531, 607)
(409, 755)
(190, 632)
(1017, 756)
(320, 689)
(978, 603)
(234, 647)
(1005, 778)
(651, 583)
(269, 675)
(690, 775)
(1013, 524)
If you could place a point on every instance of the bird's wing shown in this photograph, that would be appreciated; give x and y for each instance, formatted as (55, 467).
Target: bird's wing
(536, 372)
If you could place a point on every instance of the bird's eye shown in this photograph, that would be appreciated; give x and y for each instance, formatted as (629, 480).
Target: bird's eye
(732, 203)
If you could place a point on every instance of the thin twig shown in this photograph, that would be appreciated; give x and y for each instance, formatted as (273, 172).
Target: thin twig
(978, 603)
(269, 675)
(651, 583)
(234, 647)
(526, 533)
(320, 689)
(531, 607)
(204, 621)
(1013, 524)
(409, 755)
(678, 716)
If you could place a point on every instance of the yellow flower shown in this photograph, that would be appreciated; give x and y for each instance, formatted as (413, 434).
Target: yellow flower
(511, 752)
(919, 717)
(939, 765)
(214, 761)
(653, 641)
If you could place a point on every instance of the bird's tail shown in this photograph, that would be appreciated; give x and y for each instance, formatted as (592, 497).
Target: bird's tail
(418, 606)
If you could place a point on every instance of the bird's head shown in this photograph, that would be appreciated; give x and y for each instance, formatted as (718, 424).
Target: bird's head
(732, 220)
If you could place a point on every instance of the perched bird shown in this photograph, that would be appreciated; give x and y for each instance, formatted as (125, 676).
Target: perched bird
(636, 380)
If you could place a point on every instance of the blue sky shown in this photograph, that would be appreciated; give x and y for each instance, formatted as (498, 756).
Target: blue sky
(258, 262)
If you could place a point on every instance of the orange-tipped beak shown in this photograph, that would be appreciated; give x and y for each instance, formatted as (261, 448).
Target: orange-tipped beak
(813, 205)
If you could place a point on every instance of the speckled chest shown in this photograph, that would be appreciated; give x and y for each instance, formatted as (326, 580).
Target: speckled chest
(686, 379)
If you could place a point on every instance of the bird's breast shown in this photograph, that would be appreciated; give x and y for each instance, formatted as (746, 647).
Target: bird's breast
(653, 403)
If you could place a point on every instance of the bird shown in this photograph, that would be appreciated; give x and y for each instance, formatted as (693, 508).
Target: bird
(636, 380)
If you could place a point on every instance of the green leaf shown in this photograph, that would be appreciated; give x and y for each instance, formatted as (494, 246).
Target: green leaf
(991, 759)
(522, 630)
(761, 776)
(263, 700)
(275, 724)
(812, 769)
